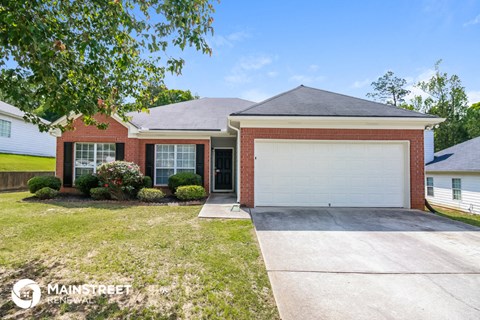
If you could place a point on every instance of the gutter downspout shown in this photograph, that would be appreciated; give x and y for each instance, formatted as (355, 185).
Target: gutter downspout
(238, 158)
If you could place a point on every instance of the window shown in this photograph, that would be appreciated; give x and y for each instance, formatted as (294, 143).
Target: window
(90, 155)
(457, 189)
(171, 159)
(5, 128)
(430, 186)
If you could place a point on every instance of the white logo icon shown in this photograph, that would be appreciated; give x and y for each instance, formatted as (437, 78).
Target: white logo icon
(26, 293)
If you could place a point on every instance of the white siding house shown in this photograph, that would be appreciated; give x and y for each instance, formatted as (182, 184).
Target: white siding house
(20, 137)
(453, 177)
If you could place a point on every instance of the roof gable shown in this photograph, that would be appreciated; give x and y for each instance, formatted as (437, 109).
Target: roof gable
(306, 101)
(463, 157)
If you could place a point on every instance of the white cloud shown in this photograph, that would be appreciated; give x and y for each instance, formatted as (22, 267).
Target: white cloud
(472, 22)
(305, 79)
(229, 40)
(242, 71)
(473, 97)
(255, 95)
(272, 74)
(361, 83)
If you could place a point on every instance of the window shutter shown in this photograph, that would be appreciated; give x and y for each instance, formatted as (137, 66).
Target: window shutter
(68, 164)
(119, 151)
(200, 160)
(150, 161)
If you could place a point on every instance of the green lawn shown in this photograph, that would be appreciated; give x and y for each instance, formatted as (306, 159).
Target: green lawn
(179, 266)
(15, 162)
(473, 219)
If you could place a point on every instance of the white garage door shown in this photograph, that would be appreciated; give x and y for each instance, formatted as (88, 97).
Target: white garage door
(322, 173)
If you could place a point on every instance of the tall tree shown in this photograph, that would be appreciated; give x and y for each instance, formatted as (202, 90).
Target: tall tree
(161, 95)
(390, 89)
(472, 120)
(446, 99)
(90, 56)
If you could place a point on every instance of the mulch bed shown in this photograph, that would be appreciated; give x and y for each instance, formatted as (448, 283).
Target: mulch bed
(72, 197)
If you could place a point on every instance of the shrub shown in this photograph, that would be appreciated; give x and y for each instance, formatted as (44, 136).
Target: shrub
(46, 193)
(100, 193)
(39, 182)
(147, 182)
(150, 195)
(122, 179)
(183, 179)
(190, 192)
(86, 182)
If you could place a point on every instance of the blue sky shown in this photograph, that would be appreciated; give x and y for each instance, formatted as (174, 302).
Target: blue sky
(262, 48)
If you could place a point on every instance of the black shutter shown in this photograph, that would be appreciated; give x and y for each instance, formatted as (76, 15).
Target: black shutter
(149, 160)
(67, 164)
(200, 160)
(119, 151)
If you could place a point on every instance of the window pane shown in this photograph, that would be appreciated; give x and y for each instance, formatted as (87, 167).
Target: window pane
(80, 171)
(457, 194)
(430, 181)
(84, 156)
(186, 170)
(105, 153)
(165, 156)
(162, 176)
(186, 156)
(456, 183)
(5, 128)
(430, 191)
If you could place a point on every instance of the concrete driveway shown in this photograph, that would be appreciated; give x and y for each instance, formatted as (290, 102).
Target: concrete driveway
(346, 263)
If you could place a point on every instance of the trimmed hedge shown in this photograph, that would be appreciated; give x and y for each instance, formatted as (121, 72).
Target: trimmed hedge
(183, 179)
(39, 182)
(100, 193)
(147, 182)
(190, 193)
(46, 193)
(86, 182)
(150, 195)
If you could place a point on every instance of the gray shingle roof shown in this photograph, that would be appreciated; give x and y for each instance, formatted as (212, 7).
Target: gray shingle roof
(306, 101)
(12, 110)
(196, 115)
(463, 157)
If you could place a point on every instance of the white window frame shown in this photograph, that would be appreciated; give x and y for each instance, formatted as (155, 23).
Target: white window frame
(94, 156)
(430, 187)
(457, 189)
(6, 128)
(174, 161)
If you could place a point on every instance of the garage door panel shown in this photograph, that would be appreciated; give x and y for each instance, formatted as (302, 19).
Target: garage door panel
(338, 174)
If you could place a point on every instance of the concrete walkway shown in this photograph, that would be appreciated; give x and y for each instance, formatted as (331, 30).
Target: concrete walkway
(351, 263)
(223, 206)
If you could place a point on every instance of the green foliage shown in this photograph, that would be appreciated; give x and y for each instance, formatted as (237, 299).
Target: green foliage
(100, 193)
(446, 99)
(39, 182)
(390, 89)
(161, 95)
(183, 179)
(46, 193)
(70, 57)
(86, 182)
(147, 182)
(122, 179)
(472, 120)
(150, 195)
(190, 193)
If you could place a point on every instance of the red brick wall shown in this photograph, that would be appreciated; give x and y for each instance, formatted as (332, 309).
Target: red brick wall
(116, 132)
(414, 136)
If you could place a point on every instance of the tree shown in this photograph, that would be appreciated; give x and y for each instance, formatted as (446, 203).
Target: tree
(472, 120)
(390, 89)
(161, 96)
(446, 99)
(91, 56)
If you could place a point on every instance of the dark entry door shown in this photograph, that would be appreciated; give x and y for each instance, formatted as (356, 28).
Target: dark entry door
(223, 169)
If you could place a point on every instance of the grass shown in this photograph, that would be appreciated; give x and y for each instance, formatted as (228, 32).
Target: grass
(473, 219)
(179, 266)
(15, 162)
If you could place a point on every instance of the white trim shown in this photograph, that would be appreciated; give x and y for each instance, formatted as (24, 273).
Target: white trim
(406, 145)
(174, 160)
(233, 170)
(238, 167)
(335, 122)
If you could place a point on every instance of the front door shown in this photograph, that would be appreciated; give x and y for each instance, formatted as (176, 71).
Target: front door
(223, 170)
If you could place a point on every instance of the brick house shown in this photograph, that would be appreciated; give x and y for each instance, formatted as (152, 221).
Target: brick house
(304, 147)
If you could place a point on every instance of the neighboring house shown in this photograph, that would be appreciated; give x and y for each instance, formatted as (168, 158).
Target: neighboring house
(20, 137)
(453, 177)
(304, 147)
